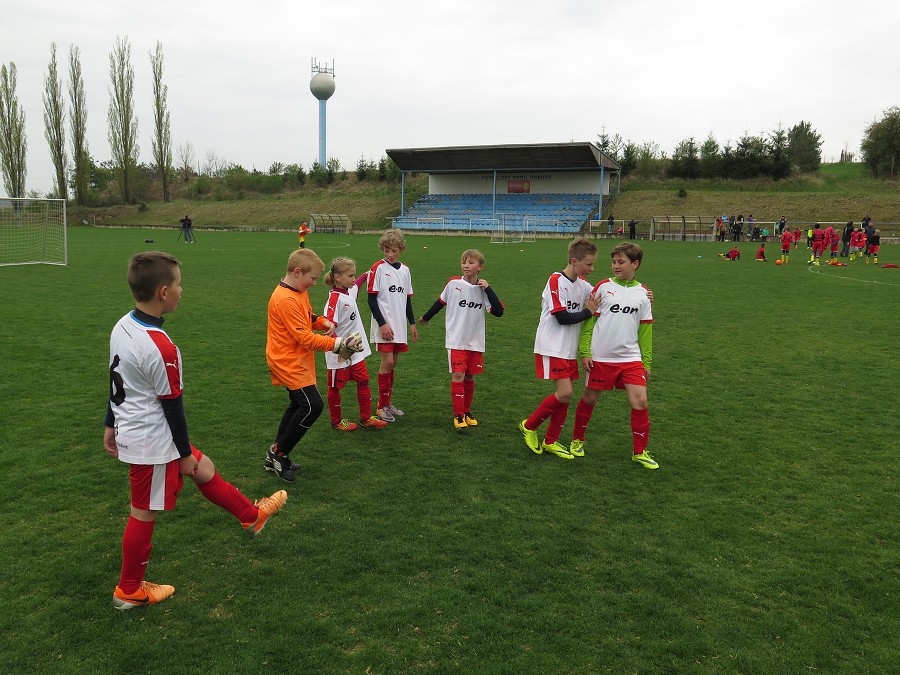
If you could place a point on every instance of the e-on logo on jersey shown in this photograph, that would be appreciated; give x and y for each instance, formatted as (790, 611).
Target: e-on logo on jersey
(572, 306)
(624, 309)
(471, 305)
(395, 289)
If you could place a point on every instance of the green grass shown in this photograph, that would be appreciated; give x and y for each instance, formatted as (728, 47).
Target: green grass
(766, 543)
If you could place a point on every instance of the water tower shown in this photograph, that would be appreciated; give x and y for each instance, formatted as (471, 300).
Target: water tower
(322, 87)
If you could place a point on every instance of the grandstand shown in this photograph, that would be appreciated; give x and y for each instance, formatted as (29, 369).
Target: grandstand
(550, 188)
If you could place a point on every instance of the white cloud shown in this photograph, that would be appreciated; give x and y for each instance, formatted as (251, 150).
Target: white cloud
(466, 72)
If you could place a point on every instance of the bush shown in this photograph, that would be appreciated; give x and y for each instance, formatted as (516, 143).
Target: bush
(682, 193)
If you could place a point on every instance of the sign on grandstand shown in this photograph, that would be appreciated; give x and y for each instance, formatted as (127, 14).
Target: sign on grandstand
(33, 231)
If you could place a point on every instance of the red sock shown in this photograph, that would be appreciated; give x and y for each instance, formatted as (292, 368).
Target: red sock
(557, 419)
(391, 389)
(224, 494)
(640, 429)
(583, 412)
(544, 410)
(137, 541)
(364, 398)
(334, 404)
(384, 390)
(457, 397)
(469, 389)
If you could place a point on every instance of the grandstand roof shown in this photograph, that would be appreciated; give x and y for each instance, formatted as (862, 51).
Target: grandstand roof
(539, 157)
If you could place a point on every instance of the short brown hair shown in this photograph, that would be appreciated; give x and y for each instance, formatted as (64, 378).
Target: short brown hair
(581, 248)
(306, 259)
(392, 238)
(631, 251)
(149, 270)
(472, 254)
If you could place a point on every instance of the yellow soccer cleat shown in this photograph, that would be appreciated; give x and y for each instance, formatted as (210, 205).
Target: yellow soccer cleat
(459, 422)
(557, 449)
(531, 438)
(471, 421)
(645, 460)
(576, 448)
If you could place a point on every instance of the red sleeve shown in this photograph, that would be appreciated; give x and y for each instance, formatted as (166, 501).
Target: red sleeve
(554, 294)
(370, 286)
(333, 298)
(169, 354)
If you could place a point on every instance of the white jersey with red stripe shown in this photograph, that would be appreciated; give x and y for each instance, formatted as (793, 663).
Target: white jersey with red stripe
(392, 286)
(341, 309)
(144, 367)
(561, 294)
(466, 305)
(622, 310)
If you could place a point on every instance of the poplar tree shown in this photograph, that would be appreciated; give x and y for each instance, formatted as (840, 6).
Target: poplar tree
(13, 144)
(78, 128)
(162, 136)
(54, 124)
(123, 124)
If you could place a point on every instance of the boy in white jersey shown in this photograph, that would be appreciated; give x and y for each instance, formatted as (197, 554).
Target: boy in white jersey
(467, 298)
(390, 292)
(341, 309)
(617, 349)
(145, 427)
(565, 303)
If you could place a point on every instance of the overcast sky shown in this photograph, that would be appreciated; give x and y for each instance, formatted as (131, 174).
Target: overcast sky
(424, 73)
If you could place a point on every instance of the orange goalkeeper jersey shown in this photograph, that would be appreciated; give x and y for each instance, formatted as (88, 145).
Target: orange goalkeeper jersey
(290, 341)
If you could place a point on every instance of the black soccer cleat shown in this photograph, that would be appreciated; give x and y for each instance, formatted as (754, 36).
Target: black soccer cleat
(281, 465)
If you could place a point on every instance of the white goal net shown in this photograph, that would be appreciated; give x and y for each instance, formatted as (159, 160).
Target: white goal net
(33, 231)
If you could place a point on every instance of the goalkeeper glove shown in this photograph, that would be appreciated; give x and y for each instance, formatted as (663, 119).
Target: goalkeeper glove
(348, 344)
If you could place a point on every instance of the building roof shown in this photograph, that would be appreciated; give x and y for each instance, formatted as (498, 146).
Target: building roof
(531, 157)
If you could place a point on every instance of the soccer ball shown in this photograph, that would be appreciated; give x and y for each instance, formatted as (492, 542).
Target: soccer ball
(779, 262)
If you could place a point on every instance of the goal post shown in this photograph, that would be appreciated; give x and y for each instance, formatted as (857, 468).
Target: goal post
(33, 231)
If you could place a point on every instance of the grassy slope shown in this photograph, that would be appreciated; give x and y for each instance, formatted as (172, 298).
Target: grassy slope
(838, 192)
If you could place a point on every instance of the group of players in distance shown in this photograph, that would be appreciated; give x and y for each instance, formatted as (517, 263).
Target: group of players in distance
(859, 241)
(609, 326)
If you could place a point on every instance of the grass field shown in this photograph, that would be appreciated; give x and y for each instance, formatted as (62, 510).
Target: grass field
(767, 542)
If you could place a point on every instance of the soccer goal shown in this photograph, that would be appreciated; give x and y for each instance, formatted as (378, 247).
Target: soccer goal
(33, 231)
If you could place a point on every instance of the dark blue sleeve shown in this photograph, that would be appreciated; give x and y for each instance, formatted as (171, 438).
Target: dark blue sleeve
(435, 308)
(410, 317)
(496, 305)
(173, 409)
(376, 310)
(568, 318)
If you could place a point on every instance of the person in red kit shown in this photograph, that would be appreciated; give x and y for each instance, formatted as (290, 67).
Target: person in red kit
(787, 238)
(818, 244)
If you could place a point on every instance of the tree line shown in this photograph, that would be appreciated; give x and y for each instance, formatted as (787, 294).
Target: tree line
(777, 154)
(84, 179)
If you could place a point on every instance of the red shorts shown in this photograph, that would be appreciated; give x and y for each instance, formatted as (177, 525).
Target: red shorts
(785, 249)
(390, 347)
(818, 247)
(873, 250)
(553, 368)
(606, 376)
(155, 487)
(465, 361)
(338, 377)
